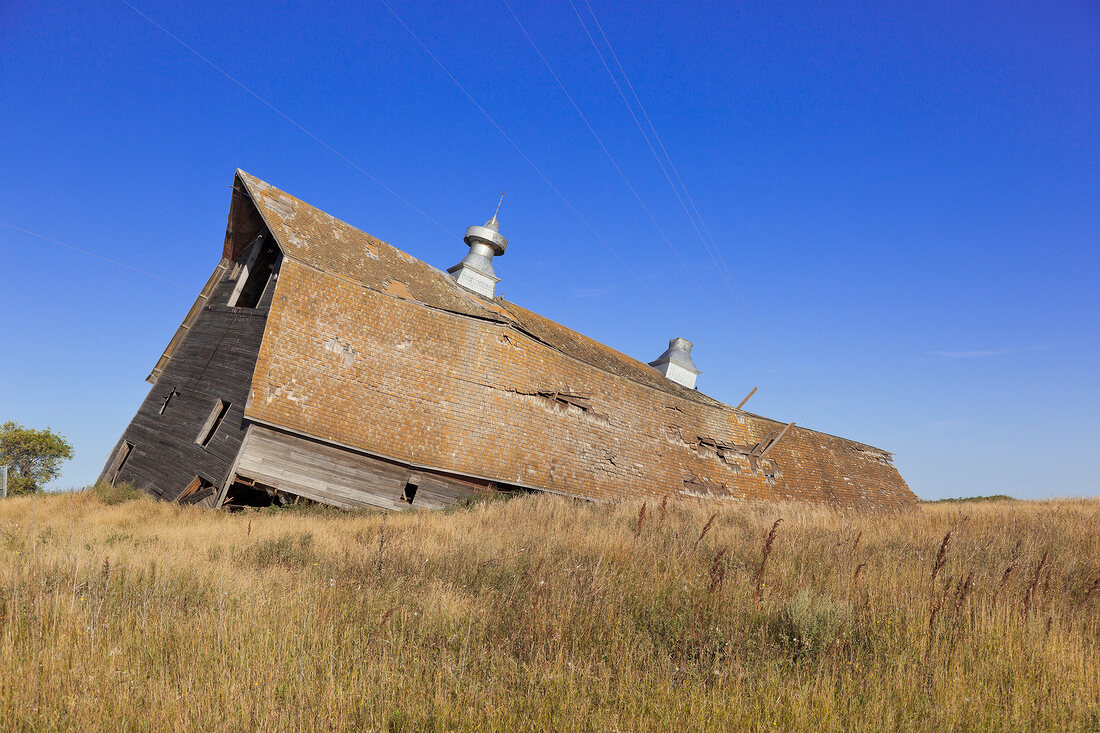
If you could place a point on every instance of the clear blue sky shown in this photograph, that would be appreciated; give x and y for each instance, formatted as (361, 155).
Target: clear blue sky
(906, 194)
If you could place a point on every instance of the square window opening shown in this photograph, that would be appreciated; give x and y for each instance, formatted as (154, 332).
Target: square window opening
(256, 273)
(409, 493)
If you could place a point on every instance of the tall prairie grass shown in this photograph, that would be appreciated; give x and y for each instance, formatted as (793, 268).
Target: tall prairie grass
(541, 613)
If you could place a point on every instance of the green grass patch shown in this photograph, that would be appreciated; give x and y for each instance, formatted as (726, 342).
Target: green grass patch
(111, 494)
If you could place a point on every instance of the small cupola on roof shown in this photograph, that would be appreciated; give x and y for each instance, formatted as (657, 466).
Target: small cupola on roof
(475, 271)
(676, 363)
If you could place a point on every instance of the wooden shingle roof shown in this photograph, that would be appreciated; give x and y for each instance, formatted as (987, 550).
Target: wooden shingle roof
(370, 348)
(310, 236)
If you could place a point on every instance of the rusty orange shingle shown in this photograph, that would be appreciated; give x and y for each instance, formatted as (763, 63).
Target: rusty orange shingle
(370, 348)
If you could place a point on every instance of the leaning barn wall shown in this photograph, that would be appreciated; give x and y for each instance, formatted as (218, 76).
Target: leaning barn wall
(213, 361)
(344, 478)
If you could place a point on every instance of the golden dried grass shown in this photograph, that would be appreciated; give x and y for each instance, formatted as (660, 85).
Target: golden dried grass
(542, 613)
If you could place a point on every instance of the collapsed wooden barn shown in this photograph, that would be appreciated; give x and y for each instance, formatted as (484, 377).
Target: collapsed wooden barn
(320, 362)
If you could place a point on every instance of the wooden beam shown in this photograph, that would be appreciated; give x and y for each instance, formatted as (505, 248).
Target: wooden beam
(191, 489)
(750, 394)
(257, 245)
(777, 439)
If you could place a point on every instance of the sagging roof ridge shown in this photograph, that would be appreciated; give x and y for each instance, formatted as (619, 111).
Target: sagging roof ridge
(513, 322)
(518, 328)
(498, 306)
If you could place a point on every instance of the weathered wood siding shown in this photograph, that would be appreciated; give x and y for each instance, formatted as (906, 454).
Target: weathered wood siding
(344, 478)
(213, 361)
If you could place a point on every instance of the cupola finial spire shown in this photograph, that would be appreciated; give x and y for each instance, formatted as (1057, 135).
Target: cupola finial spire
(475, 271)
(493, 223)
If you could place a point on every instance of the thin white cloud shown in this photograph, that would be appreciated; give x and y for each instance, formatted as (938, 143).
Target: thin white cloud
(594, 292)
(983, 353)
(977, 354)
(950, 424)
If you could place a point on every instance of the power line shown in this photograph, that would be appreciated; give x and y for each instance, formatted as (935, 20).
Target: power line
(723, 269)
(603, 147)
(517, 148)
(357, 167)
(719, 261)
(298, 125)
(646, 138)
(712, 248)
(619, 169)
(288, 118)
(630, 109)
(611, 158)
(97, 256)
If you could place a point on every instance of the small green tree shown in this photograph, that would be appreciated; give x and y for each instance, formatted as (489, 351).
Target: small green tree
(35, 456)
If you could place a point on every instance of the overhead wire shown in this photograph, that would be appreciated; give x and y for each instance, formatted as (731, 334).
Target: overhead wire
(359, 168)
(603, 147)
(622, 96)
(536, 168)
(712, 247)
(610, 157)
(96, 256)
(288, 118)
(719, 267)
(723, 267)
(557, 192)
(302, 128)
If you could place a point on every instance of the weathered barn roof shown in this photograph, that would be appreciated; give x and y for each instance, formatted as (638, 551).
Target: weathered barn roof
(312, 237)
(370, 348)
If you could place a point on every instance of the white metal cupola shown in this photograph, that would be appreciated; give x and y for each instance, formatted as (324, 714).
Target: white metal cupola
(475, 271)
(676, 363)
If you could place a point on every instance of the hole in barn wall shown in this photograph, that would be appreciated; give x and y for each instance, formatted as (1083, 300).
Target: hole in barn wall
(213, 423)
(257, 270)
(168, 398)
(120, 460)
(196, 491)
(245, 492)
(409, 493)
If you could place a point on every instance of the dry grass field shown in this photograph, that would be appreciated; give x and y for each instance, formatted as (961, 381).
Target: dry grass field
(540, 613)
